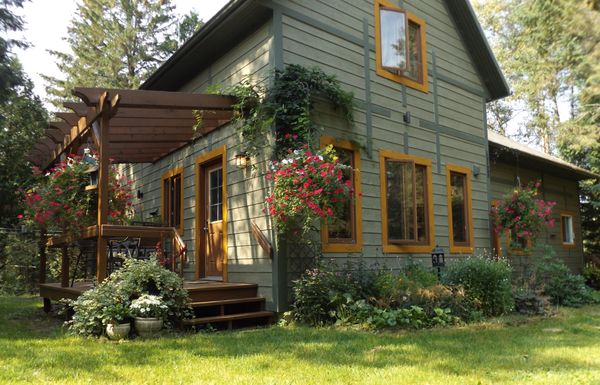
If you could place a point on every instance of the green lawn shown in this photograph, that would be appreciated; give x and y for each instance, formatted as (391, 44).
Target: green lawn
(564, 350)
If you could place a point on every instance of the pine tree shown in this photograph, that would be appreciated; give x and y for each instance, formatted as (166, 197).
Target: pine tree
(22, 116)
(116, 44)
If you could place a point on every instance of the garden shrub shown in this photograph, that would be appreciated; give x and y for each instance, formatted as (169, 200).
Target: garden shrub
(591, 273)
(320, 290)
(530, 302)
(355, 295)
(94, 308)
(556, 281)
(487, 283)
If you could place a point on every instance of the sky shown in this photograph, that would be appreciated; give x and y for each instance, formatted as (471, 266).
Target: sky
(46, 26)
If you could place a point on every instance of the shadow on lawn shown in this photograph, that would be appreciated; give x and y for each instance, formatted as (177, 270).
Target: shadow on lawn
(459, 351)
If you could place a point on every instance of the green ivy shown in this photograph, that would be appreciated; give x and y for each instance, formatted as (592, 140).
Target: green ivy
(284, 108)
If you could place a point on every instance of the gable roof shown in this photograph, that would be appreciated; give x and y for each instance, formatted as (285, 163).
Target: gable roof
(239, 17)
(506, 150)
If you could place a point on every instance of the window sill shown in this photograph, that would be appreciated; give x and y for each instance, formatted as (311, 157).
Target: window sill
(391, 248)
(461, 249)
(341, 248)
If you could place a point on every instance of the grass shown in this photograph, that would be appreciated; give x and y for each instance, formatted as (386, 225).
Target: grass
(564, 349)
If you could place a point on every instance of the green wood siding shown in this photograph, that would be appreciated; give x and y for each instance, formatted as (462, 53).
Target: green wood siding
(338, 48)
(564, 192)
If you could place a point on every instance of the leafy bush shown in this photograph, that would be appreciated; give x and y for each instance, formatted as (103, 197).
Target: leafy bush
(530, 302)
(450, 298)
(555, 280)
(393, 289)
(95, 308)
(591, 273)
(487, 283)
(355, 295)
(320, 290)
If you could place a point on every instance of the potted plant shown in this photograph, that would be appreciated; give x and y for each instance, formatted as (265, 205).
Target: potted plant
(149, 311)
(117, 318)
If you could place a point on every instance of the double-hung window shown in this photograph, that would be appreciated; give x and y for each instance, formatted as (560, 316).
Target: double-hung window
(172, 199)
(406, 201)
(400, 46)
(460, 217)
(344, 233)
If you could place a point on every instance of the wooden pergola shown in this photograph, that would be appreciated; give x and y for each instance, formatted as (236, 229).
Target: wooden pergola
(126, 126)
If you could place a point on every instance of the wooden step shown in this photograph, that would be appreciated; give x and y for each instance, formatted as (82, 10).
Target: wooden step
(221, 291)
(227, 318)
(233, 301)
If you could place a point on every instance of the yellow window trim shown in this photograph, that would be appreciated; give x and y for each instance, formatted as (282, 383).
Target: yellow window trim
(169, 174)
(396, 248)
(379, 70)
(562, 240)
(358, 241)
(468, 201)
(201, 160)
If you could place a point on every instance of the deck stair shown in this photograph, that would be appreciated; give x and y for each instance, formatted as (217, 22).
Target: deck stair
(226, 306)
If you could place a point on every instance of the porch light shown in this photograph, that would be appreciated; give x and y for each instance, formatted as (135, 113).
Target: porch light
(438, 259)
(242, 160)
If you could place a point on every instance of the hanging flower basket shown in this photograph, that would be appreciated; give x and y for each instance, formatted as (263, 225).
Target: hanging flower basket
(523, 215)
(308, 186)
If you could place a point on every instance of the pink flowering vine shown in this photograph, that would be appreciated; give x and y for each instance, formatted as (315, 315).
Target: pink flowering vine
(58, 201)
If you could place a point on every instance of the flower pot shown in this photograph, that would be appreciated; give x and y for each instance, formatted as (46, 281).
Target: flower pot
(148, 327)
(118, 331)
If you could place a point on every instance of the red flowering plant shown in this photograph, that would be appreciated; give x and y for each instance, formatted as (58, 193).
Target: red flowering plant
(58, 202)
(308, 186)
(523, 214)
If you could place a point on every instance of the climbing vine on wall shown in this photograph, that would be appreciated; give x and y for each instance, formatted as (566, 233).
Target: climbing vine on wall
(285, 107)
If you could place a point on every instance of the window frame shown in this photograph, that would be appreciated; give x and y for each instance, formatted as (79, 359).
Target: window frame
(396, 247)
(357, 242)
(462, 247)
(423, 84)
(168, 176)
(571, 215)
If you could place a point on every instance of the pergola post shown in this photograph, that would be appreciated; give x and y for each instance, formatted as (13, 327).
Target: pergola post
(64, 267)
(42, 251)
(103, 177)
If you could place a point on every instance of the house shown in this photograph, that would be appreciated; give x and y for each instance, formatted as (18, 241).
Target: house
(421, 73)
(512, 164)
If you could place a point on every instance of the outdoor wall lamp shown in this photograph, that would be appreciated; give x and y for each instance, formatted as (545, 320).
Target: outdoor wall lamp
(242, 160)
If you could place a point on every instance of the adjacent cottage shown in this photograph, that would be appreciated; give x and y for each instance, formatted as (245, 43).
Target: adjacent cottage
(421, 73)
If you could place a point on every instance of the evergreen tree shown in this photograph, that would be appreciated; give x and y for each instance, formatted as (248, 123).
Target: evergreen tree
(117, 44)
(22, 117)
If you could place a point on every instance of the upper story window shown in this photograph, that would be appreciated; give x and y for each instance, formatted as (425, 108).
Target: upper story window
(400, 46)
(344, 234)
(172, 199)
(406, 203)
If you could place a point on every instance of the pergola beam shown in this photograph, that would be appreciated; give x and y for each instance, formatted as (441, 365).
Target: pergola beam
(158, 99)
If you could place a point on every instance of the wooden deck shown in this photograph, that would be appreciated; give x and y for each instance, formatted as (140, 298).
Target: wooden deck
(220, 304)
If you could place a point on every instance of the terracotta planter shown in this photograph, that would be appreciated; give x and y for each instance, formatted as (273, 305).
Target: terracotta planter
(148, 327)
(117, 332)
